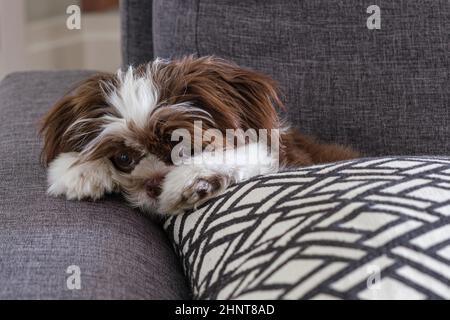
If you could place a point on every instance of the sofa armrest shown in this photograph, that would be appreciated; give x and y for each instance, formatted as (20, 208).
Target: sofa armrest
(120, 253)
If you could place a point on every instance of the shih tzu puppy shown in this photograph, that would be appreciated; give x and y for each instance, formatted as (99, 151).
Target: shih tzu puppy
(159, 133)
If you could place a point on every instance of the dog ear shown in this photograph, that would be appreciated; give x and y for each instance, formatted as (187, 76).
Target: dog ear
(253, 95)
(75, 119)
(235, 97)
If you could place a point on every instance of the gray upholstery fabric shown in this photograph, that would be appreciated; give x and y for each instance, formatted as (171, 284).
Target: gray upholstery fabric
(383, 91)
(136, 20)
(121, 253)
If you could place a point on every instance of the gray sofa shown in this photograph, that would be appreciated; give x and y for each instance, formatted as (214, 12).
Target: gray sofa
(385, 92)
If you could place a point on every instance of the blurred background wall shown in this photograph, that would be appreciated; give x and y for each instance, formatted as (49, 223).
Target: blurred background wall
(34, 35)
(43, 9)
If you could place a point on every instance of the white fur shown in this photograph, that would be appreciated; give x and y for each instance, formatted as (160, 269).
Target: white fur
(93, 179)
(135, 97)
(234, 165)
(176, 183)
(79, 181)
(147, 167)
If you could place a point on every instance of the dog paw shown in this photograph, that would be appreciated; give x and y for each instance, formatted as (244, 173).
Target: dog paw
(86, 187)
(201, 190)
(78, 181)
(185, 193)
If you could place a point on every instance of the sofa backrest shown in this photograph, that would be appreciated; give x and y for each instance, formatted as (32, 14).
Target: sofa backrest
(384, 91)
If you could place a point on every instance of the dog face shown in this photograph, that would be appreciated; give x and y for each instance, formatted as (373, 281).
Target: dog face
(113, 132)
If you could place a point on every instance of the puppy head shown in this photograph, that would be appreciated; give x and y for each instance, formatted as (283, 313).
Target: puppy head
(113, 132)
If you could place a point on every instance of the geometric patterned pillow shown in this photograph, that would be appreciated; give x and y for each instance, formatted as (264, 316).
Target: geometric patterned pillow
(375, 228)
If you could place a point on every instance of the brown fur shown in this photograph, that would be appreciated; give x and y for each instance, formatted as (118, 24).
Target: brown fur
(235, 97)
(300, 150)
(86, 101)
(231, 94)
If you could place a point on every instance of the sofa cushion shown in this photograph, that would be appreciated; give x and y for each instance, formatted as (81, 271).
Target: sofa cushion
(383, 91)
(120, 253)
(136, 24)
(375, 228)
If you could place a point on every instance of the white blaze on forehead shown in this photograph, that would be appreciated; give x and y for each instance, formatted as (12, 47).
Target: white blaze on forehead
(135, 96)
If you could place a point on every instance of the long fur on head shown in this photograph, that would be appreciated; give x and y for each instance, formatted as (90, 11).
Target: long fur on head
(147, 103)
(135, 112)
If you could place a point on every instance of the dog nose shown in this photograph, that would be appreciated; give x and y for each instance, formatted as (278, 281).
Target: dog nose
(153, 186)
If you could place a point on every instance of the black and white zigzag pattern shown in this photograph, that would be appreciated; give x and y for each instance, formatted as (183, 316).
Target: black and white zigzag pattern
(366, 229)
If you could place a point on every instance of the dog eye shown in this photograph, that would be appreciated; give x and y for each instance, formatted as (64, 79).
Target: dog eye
(123, 161)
